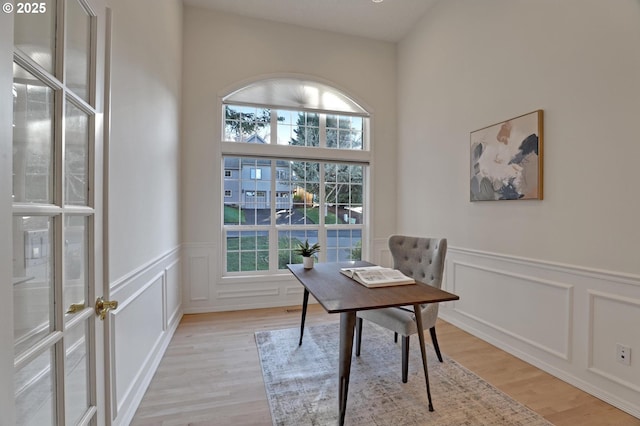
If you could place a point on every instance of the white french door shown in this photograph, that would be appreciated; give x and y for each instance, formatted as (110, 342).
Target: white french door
(56, 209)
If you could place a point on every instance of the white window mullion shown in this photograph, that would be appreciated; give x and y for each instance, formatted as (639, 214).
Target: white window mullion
(322, 120)
(322, 230)
(273, 231)
(274, 126)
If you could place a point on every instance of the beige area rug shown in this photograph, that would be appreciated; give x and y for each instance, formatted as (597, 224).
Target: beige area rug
(302, 384)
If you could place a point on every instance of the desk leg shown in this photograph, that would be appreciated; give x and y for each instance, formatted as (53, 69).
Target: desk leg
(417, 309)
(347, 324)
(305, 300)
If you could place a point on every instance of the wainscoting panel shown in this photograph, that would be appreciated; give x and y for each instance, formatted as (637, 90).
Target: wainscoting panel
(198, 278)
(149, 310)
(173, 292)
(131, 344)
(535, 311)
(563, 319)
(381, 254)
(603, 338)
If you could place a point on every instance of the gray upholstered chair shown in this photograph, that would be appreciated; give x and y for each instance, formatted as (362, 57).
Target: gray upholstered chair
(423, 260)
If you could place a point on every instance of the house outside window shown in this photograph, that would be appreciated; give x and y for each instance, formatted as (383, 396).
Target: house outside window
(318, 191)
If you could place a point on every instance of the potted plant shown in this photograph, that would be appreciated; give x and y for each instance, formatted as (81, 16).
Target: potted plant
(307, 251)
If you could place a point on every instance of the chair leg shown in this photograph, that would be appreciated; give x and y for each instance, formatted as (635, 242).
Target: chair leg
(434, 339)
(405, 358)
(358, 335)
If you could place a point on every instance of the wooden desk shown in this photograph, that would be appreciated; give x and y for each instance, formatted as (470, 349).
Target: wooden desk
(340, 294)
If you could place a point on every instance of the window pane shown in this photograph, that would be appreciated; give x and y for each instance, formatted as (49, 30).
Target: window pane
(34, 33)
(77, 48)
(344, 132)
(284, 192)
(344, 244)
(34, 389)
(343, 194)
(247, 251)
(32, 280)
(299, 128)
(76, 155)
(76, 385)
(289, 240)
(75, 261)
(247, 124)
(297, 186)
(32, 138)
(247, 191)
(305, 187)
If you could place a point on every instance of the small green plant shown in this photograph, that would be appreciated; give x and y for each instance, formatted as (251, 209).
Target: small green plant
(305, 250)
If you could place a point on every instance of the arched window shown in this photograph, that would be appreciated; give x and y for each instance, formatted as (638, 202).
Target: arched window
(295, 157)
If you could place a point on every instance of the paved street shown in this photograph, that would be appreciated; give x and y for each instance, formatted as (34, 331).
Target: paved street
(261, 217)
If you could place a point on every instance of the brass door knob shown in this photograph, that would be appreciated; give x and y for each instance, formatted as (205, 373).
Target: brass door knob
(103, 306)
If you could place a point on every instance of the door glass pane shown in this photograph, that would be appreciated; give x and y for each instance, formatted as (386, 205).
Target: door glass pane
(32, 279)
(77, 49)
(34, 31)
(76, 385)
(32, 138)
(76, 155)
(34, 388)
(75, 261)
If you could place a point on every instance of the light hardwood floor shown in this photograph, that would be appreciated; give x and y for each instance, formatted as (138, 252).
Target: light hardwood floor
(210, 374)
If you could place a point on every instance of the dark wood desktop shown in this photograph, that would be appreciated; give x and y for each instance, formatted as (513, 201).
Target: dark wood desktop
(340, 294)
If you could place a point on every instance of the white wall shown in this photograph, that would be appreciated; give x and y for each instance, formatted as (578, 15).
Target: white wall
(145, 133)
(144, 199)
(557, 281)
(223, 50)
(471, 64)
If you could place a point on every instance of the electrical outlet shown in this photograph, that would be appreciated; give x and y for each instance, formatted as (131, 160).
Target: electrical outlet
(623, 354)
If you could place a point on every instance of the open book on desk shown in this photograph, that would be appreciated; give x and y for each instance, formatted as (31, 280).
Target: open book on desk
(377, 276)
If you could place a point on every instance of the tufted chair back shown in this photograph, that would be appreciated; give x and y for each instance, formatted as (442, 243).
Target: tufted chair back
(423, 260)
(419, 258)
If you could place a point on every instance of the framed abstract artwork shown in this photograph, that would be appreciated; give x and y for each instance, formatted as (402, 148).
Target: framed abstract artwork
(506, 160)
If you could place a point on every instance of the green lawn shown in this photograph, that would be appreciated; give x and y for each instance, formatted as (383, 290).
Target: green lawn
(313, 215)
(233, 215)
(250, 252)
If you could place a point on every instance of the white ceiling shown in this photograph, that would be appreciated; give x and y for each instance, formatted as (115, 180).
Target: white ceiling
(389, 20)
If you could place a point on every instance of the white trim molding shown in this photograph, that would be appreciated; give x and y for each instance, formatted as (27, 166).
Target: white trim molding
(564, 319)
